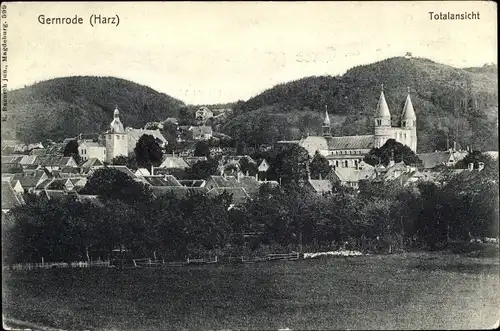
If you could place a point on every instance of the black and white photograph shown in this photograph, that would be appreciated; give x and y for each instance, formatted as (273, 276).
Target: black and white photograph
(250, 165)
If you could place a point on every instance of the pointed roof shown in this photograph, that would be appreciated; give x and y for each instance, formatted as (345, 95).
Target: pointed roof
(408, 112)
(382, 108)
(327, 118)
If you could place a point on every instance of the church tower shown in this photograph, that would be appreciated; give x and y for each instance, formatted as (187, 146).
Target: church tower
(383, 130)
(409, 124)
(116, 138)
(327, 131)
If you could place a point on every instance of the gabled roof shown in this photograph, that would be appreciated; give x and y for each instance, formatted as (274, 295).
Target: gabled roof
(12, 159)
(350, 142)
(92, 162)
(202, 129)
(178, 191)
(142, 172)
(174, 162)
(190, 160)
(250, 184)
(44, 184)
(54, 160)
(70, 170)
(10, 198)
(123, 169)
(58, 184)
(167, 180)
(432, 160)
(28, 159)
(135, 134)
(55, 194)
(321, 185)
(192, 183)
(352, 174)
(239, 194)
(223, 181)
(29, 180)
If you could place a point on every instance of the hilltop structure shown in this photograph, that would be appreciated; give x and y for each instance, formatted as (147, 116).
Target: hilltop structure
(349, 151)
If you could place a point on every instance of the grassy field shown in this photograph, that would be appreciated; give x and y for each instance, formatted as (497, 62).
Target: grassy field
(410, 291)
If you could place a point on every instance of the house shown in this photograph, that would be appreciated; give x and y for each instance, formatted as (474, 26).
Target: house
(10, 198)
(193, 182)
(93, 199)
(441, 158)
(249, 183)
(167, 180)
(190, 160)
(91, 150)
(202, 132)
(142, 172)
(239, 194)
(263, 166)
(55, 162)
(120, 168)
(135, 134)
(177, 191)
(203, 114)
(320, 186)
(351, 176)
(29, 181)
(173, 162)
(91, 163)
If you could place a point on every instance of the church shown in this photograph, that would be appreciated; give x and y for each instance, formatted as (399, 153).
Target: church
(121, 141)
(349, 151)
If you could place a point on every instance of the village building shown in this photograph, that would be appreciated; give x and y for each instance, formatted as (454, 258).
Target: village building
(91, 150)
(203, 114)
(10, 198)
(121, 142)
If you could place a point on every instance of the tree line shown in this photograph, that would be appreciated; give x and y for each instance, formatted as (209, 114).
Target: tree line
(128, 217)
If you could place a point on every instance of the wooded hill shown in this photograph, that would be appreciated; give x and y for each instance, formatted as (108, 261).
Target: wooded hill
(459, 103)
(64, 107)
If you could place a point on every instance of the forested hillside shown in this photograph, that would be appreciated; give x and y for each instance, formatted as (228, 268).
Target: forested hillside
(64, 107)
(458, 104)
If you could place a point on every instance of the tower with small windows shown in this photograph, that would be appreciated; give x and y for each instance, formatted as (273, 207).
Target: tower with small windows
(405, 133)
(116, 138)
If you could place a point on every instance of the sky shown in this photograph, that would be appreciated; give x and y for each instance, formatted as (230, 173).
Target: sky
(206, 53)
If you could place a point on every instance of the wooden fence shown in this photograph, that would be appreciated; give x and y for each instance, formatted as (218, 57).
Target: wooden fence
(50, 265)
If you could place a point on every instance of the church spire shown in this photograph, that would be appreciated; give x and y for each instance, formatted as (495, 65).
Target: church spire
(408, 111)
(327, 118)
(382, 108)
(326, 123)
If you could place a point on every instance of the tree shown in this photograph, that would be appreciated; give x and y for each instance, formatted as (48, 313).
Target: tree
(291, 164)
(392, 148)
(112, 184)
(148, 152)
(71, 149)
(202, 148)
(204, 169)
(319, 166)
(475, 157)
(248, 167)
(128, 161)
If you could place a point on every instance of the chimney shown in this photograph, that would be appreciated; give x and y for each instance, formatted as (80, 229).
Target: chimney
(152, 170)
(480, 166)
(320, 177)
(257, 176)
(454, 146)
(470, 166)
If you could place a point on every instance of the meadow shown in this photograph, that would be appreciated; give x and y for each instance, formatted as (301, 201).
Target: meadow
(400, 291)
